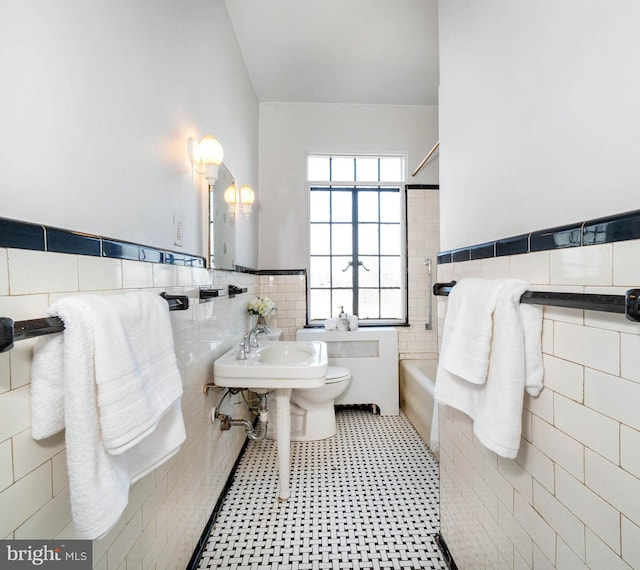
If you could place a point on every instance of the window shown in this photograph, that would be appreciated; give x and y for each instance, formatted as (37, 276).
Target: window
(357, 238)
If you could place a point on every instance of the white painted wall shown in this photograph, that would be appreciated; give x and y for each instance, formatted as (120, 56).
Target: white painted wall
(539, 115)
(97, 102)
(288, 131)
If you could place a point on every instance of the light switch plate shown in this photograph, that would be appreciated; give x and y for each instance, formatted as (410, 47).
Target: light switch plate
(177, 229)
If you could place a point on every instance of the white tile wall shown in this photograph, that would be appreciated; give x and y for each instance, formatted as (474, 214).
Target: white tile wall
(6, 476)
(98, 274)
(581, 437)
(40, 272)
(289, 293)
(591, 509)
(169, 508)
(423, 230)
(4, 273)
(629, 446)
(631, 543)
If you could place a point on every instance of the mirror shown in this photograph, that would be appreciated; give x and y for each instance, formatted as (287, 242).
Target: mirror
(222, 225)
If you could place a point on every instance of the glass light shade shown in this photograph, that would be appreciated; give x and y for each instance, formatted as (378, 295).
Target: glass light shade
(247, 196)
(210, 150)
(231, 198)
(193, 150)
(230, 195)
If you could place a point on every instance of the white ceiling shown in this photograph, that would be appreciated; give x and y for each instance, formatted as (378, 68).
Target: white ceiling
(340, 51)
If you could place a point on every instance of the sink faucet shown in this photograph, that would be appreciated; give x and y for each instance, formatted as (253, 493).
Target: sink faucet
(250, 341)
(254, 332)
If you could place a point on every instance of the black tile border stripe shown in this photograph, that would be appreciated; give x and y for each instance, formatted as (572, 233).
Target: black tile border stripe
(512, 246)
(446, 553)
(422, 186)
(609, 229)
(62, 241)
(22, 235)
(25, 235)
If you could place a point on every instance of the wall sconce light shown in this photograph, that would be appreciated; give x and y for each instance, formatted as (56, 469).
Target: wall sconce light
(239, 200)
(205, 156)
(231, 198)
(247, 198)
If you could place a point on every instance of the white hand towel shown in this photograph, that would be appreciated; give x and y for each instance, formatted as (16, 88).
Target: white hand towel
(515, 364)
(90, 349)
(331, 324)
(353, 322)
(466, 341)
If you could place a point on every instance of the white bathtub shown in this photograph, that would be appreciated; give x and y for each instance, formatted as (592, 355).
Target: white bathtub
(417, 382)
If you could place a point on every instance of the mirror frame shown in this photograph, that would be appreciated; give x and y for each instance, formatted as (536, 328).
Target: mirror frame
(222, 224)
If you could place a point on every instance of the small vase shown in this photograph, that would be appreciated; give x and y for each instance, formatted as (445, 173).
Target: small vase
(258, 320)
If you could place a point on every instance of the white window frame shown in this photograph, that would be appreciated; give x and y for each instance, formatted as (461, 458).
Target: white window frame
(400, 185)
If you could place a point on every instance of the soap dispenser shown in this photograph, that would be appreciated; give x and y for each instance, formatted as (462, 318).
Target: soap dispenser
(343, 320)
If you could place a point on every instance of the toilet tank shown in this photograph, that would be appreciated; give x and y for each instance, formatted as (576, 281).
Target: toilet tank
(371, 355)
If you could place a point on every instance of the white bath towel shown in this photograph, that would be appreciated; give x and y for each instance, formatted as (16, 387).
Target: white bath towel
(136, 388)
(106, 361)
(466, 340)
(515, 365)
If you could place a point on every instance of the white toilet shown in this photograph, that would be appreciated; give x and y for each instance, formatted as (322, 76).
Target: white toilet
(313, 414)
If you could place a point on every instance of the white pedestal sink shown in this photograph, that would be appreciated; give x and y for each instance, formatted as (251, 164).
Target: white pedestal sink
(276, 367)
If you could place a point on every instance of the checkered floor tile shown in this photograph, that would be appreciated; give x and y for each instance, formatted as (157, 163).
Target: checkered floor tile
(367, 498)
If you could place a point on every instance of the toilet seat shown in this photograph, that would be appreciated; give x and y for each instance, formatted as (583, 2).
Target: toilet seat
(336, 374)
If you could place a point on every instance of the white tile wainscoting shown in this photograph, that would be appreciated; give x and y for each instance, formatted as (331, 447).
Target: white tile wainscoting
(168, 508)
(571, 499)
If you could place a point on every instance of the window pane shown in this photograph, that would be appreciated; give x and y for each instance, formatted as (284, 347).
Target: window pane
(342, 168)
(318, 168)
(319, 304)
(368, 304)
(391, 169)
(319, 208)
(390, 272)
(319, 272)
(390, 239)
(342, 298)
(368, 206)
(391, 304)
(367, 169)
(347, 190)
(319, 239)
(341, 205)
(342, 271)
(390, 207)
(341, 239)
(368, 239)
(368, 278)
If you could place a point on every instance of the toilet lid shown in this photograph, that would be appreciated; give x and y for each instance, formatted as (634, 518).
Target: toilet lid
(335, 374)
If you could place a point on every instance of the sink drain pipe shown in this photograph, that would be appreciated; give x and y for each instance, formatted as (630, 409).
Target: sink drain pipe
(255, 432)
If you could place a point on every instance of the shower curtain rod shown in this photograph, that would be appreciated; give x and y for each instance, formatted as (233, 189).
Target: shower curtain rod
(424, 160)
(11, 331)
(627, 304)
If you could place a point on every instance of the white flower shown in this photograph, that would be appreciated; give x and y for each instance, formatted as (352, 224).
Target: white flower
(262, 306)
